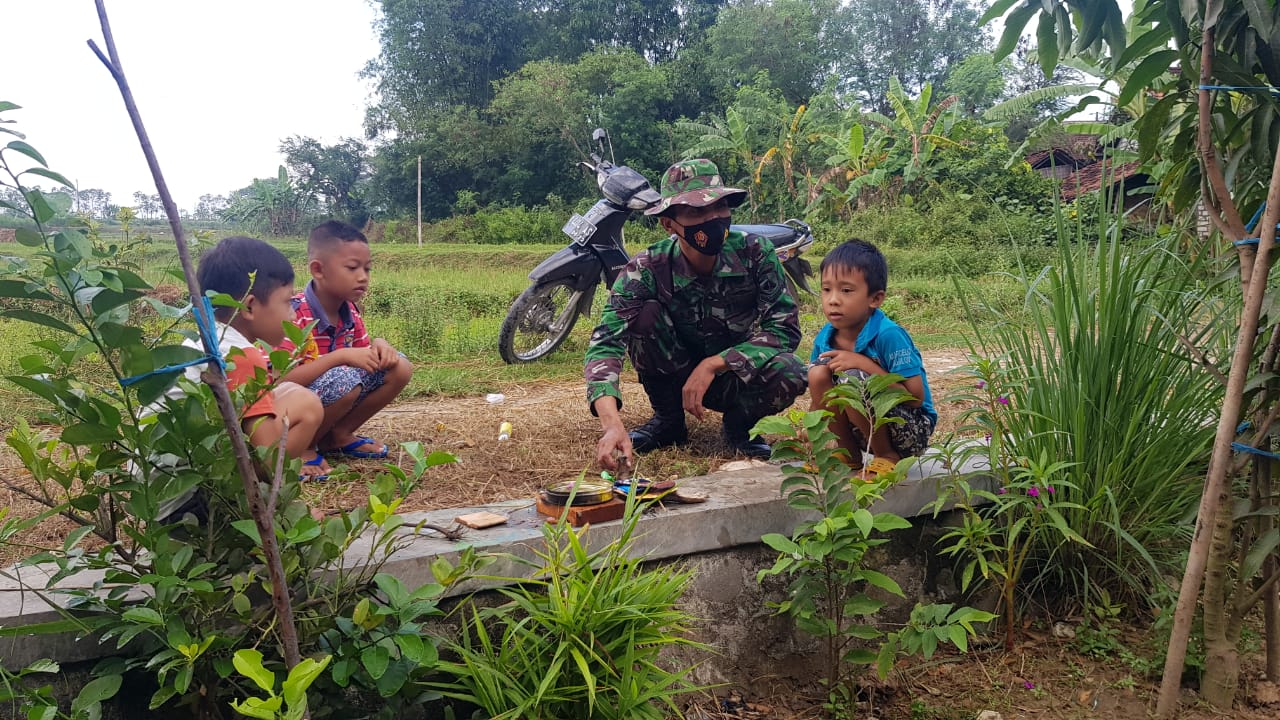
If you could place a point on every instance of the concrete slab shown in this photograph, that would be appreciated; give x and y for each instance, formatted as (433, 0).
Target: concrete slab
(743, 505)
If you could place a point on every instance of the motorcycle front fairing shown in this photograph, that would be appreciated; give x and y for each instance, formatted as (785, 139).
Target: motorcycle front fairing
(575, 261)
(592, 259)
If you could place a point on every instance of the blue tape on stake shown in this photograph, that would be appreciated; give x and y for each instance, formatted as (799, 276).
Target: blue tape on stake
(1256, 217)
(1241, 447)
(208, 331)
(205, 324)
(1242, 88)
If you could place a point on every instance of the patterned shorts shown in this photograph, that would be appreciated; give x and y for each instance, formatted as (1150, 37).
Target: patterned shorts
(909, 438)
(337, 382)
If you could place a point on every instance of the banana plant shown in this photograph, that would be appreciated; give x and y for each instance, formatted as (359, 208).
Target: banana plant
(854, 165)
(917, 128)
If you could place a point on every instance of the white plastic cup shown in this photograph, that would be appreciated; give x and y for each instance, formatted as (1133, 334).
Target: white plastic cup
(494, 398)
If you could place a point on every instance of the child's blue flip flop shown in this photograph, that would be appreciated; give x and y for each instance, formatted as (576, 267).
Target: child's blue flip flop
(349, 450)
(316, 461)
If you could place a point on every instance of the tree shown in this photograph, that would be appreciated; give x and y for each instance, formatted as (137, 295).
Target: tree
(917, 41)
(978, 81)
(794, 41)
(93, 202)
(210, 207)
(1029, 81)
(1230, 41)
(439, 53)
(655, 29)
(541, 111)
(276, 205)
(334, 172)
(458, 153)
(11, 198)
(148, 206)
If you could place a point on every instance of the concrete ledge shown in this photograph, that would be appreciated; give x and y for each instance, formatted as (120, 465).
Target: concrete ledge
(743, 506)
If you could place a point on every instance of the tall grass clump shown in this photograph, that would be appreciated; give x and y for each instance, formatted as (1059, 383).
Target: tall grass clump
(582, 639)
(1096, 368)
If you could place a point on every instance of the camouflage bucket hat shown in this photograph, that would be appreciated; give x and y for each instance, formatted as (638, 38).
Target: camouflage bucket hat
(695, 183)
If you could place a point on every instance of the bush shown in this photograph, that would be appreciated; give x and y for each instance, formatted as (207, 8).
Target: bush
(1093, 371)
(498, 225)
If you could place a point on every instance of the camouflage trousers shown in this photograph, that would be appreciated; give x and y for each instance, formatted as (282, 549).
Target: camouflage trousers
(774, 388)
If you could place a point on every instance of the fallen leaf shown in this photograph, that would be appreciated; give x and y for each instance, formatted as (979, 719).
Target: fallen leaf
(1085, 698)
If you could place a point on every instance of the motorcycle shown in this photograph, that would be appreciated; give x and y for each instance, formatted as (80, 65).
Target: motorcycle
(564, 285)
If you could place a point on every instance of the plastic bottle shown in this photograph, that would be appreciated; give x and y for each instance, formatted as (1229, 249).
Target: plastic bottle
(504, 431)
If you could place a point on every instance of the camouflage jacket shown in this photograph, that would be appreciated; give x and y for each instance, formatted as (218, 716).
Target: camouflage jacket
(741, 311)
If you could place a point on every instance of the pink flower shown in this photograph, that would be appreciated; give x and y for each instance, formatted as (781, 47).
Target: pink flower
(1002, 491)
(1048, 489)
(1028, 685)
(981, 384)
(1033, 491)
(1003, 400)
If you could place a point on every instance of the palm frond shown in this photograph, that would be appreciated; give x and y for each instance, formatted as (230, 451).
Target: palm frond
(1028, 100)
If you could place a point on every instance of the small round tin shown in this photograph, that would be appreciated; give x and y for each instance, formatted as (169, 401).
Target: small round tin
(578, 492)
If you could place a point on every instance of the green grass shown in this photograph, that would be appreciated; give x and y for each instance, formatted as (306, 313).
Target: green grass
(442, 305)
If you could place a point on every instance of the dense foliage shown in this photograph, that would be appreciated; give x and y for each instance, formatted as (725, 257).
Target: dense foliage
(505, 120)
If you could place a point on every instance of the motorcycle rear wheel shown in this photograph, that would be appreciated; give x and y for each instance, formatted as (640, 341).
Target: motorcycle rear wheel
(539, 321)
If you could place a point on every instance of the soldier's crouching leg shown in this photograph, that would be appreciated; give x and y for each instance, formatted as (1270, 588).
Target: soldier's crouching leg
(773, 390)
(663, 366)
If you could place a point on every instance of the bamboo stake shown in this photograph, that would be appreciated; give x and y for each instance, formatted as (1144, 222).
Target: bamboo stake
(1220, 464)
(214, 376)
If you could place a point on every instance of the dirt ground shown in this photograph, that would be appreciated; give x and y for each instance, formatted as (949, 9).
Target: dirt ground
(1043, 678)
(554, 439)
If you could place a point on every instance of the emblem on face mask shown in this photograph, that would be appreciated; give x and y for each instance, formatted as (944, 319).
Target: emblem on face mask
(700, 238)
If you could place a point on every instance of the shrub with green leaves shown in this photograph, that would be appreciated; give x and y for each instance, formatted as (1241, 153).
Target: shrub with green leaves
(177, 601)
(831, 593)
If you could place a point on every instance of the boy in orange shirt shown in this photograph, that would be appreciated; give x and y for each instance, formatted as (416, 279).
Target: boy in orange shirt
(261, 277)
(354, 375)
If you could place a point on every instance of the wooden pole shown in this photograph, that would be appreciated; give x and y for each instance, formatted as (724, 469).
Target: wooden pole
(419, 201)
(214, 376)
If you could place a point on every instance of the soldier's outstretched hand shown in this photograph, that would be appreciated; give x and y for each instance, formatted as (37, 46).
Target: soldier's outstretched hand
(614, 444)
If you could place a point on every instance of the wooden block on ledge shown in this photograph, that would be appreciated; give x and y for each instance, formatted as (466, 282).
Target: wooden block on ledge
(480, 520)
(580, 515)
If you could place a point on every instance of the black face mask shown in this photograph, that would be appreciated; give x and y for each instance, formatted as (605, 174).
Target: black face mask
(707, 237)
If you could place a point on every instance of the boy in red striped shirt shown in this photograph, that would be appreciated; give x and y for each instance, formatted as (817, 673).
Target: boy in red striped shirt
(354, 375)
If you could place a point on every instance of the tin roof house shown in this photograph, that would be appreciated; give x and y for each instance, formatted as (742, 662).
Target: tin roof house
(1080, 164)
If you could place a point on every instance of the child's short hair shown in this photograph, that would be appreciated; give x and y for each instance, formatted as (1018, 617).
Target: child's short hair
(228, 266)
(328, 235)
(855, 254)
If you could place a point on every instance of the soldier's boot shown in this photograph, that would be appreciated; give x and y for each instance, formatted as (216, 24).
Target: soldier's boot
(666, 427)
(737, 427)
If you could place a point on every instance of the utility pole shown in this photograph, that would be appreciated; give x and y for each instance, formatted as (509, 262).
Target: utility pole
(419, 201)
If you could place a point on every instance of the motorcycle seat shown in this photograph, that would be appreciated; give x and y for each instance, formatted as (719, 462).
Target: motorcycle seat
(780, 235)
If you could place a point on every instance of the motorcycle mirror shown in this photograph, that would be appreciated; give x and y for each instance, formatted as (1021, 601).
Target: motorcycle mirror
(600, 136)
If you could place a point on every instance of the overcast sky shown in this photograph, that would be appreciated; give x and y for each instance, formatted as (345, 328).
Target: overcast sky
(219, 84)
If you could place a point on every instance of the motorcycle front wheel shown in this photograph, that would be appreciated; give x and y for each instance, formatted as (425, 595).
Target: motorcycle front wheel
(538, 321)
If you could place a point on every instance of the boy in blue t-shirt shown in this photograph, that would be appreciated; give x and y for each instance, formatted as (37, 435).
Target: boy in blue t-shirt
(859, 339)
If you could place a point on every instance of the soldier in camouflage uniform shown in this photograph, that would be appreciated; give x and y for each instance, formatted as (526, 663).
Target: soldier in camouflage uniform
(706, 319)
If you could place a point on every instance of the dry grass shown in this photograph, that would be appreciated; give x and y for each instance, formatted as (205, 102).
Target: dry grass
(554, 439)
